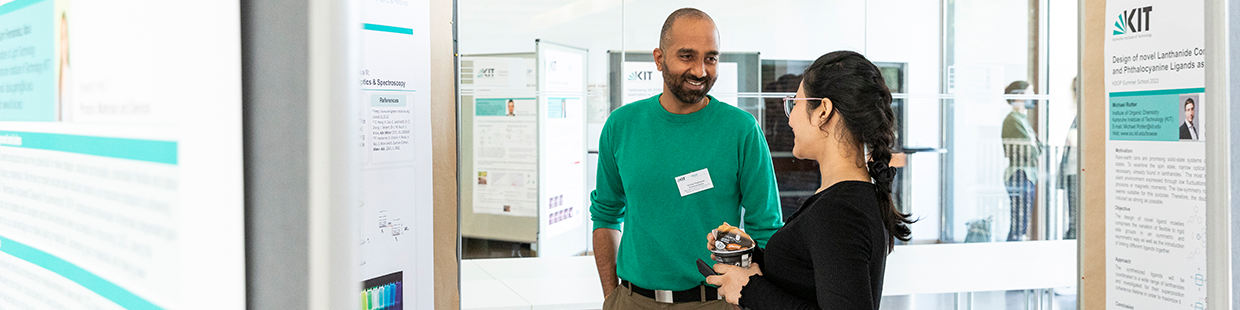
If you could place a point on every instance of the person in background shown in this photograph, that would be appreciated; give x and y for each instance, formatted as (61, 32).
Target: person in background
(832, 253)
(1069, 170)
(1022, 149)
(671, 167)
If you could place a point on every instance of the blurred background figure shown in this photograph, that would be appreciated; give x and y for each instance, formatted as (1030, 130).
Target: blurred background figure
(1021, 147)
(1068, 168)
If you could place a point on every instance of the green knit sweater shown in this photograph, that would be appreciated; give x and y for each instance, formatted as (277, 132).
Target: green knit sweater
(642, 149)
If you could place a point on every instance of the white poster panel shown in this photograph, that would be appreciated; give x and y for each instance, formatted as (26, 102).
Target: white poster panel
(561, 150)
(643, 80)
(564, 164)
(563, 72)
(395, 210)
(1155, 184)
(506, 156)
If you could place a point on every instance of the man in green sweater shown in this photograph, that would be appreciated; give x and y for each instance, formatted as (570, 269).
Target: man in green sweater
(671, 168)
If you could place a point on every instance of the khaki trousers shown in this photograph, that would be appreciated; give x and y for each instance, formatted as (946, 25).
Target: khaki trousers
(623, 298)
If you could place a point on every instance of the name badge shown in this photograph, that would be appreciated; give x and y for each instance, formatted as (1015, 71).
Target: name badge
(694, 182)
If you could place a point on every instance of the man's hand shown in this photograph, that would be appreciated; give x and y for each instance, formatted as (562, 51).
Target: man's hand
(606, 242)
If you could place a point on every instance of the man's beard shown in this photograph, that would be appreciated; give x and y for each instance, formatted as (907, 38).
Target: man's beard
(676, 84)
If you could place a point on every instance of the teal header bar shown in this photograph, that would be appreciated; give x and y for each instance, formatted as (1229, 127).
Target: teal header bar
(164, 152)
(17, 5)
(1158, 92)
(493, 106)
(90, 281)
(385, 28)
(1145, 118)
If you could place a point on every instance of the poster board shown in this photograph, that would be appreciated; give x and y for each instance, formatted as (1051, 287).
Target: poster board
(1092, 242)
(491, 80)
(563, 203)
(395, 208)
(526, 162)
(1155, 171)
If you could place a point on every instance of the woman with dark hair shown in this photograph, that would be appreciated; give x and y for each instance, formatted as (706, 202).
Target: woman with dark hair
(831, 253)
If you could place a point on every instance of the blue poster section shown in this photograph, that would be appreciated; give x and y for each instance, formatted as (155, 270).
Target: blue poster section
(27, 61)
(1147, 115)
(164, 152)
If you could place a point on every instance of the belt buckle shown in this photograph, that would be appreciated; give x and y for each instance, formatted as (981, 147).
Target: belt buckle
(663, 296)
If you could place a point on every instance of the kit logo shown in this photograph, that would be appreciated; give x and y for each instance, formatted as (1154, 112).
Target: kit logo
(486, 72)
(641, 75)
(1133, 21)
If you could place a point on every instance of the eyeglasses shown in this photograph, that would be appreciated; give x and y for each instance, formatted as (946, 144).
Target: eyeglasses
(791, 102)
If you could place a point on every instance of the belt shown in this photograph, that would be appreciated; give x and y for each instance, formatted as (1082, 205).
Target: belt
(699, 293)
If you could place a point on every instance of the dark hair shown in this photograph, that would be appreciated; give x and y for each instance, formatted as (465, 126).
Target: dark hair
(1015, 86)
(664, 35)
(860, 96)
(1190, 101)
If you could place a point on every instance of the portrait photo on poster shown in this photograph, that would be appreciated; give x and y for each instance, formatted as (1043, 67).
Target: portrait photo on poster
(1191, 127)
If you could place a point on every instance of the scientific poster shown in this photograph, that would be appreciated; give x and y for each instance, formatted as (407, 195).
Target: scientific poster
(642, 79)
(396, 207)
(562, 149)
(1155, 184)
(121, 164)
(506, 156)
(564, 159)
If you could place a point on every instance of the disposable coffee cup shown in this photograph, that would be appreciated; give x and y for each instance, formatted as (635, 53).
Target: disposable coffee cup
(740, 257)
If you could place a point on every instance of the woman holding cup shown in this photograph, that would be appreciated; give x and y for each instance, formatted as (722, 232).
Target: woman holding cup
(832, 252)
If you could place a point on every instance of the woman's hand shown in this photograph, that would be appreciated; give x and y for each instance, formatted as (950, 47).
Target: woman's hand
(732, 279)
(710, 240)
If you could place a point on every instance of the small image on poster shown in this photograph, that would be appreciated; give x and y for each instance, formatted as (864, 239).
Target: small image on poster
(383, 292)
(555, 108)
(1191, 124)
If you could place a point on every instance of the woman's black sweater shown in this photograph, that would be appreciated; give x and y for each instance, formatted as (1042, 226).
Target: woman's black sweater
(829, 255)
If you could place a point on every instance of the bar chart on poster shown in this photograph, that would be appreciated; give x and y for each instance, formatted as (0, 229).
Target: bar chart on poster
(1156, 172)
(395, 209)
(121, 180)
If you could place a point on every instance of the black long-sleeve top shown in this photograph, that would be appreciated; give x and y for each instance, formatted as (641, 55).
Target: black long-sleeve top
(829, 255)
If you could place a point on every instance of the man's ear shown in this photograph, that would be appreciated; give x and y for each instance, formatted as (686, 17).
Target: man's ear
(658, 59)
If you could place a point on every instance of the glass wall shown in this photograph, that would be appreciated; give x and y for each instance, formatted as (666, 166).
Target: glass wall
(979, 161)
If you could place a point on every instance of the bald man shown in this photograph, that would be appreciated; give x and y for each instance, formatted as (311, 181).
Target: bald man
(671, 168)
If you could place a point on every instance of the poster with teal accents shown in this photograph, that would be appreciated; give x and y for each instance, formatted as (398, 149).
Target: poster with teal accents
(27, 61)
(1155, 159)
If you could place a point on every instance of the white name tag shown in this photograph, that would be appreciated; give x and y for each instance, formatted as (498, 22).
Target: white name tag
(694, 182)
